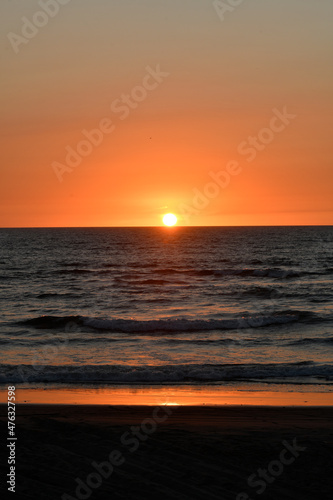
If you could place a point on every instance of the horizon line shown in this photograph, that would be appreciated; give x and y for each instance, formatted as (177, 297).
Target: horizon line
(163, 226)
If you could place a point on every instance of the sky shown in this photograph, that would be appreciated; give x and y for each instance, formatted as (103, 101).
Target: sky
(115, 112)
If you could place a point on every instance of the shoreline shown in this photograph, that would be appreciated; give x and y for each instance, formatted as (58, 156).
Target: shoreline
(168, 395)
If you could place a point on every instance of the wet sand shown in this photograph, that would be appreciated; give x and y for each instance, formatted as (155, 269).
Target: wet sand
(186, 395)
(171, 452)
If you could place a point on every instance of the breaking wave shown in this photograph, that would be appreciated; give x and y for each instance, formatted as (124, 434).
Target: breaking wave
(164, 325)
(167, 373)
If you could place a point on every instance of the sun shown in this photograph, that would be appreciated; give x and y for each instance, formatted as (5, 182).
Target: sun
(169, 219)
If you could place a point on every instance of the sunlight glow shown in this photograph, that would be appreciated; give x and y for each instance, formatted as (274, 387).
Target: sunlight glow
(169, 219)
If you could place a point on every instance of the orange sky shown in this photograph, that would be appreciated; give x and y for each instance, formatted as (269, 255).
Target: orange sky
(200, 87)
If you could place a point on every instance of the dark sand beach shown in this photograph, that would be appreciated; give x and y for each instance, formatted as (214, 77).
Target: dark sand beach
(172, 452)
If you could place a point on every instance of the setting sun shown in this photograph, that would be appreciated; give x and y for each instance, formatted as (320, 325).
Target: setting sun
(169, 219)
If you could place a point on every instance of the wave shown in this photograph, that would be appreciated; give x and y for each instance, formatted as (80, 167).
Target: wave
(151, 281)
(72, 264)
(73, 271)
(268, 292)
(169, 270)
(247, 272)
(56, 295)
(314, 340)
(152, 270)
(163, 325)
(270, 272)
(51, 322)
(264, 292)
(307, 371)
(273, 272)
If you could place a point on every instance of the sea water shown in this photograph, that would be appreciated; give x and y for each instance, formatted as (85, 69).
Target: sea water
(181, 305)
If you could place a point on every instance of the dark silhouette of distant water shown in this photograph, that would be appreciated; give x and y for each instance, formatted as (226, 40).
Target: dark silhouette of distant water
(172, 305)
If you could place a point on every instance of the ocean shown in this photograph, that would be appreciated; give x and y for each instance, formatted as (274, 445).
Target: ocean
(198, 306)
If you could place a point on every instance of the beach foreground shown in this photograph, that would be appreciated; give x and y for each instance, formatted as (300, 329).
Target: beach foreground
(171, 452)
